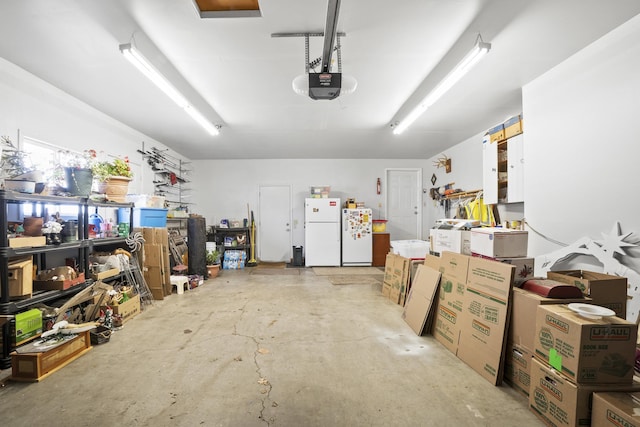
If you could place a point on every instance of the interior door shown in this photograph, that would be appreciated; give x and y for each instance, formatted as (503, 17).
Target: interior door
(403, 189)
(274, 223)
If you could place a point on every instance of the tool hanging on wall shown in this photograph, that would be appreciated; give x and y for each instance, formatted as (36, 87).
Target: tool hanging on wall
(252, 260)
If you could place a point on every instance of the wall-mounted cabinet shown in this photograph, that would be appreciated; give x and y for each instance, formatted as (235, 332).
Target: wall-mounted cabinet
(503, 169)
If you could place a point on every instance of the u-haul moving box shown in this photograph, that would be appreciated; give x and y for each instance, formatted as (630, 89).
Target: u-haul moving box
(452, 285)
(560, 402)
(588, 351)
(485, 317)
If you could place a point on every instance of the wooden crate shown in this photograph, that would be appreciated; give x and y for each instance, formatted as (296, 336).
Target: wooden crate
(38, 366)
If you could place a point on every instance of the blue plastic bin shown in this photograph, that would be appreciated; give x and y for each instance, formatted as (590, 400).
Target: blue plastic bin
(149, 217)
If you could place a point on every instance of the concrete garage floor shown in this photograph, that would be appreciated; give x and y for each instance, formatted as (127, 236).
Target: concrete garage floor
(266, 350)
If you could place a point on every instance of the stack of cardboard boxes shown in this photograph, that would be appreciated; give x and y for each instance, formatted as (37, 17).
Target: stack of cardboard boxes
(155, 263)
(576, 354)
(473, 311)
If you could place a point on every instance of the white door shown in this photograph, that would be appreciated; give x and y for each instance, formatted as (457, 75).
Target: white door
(274, 225)
(515, 169)
(489, 170)
(403, 189)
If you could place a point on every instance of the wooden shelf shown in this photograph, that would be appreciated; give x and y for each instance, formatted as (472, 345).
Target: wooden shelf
(462, 195)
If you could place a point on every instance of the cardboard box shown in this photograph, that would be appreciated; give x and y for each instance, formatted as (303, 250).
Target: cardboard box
(596, 351)
(400, 279)
(128, 309)
(105, 274)
(525, 267)
(524, 310)
(499, 242)
(604, 289)
(28, 326)
(496, 133)
(418, 311)
(517, 368)
(454, 268)
(557, 401)
(615, 409)
(388, 274)
(26, 242)
(20, 274)
(458, 241)
(432, 261)
(485, 317)
(156, 264)
(513, 126)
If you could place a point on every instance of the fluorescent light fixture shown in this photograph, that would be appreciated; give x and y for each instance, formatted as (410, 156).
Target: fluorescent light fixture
(145, 67)
(479, 50)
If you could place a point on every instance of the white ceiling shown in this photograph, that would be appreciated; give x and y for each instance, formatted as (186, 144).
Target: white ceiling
(240, 77)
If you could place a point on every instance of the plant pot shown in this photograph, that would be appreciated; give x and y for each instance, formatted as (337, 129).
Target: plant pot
(79, 181)
(115, 188)
(213, 270)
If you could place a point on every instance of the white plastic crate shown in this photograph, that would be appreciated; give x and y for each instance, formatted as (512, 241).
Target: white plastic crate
(410, 248)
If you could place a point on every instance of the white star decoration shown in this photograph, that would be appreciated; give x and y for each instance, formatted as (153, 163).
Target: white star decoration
(614, 242)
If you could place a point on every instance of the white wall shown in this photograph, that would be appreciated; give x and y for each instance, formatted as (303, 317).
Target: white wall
(466, 174)
(35, 109)
(224, 187)
(582, 143)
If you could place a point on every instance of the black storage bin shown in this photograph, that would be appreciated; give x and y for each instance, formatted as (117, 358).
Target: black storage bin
(297, 256)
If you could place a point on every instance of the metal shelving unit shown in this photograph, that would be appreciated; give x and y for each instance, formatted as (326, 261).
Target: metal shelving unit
(80, 249)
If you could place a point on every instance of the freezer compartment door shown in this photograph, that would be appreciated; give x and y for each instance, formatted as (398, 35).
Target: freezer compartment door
(322, 244)
(322, 210)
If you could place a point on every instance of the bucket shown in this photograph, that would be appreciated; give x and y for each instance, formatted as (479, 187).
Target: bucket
(379, 225)
(78, 181)
(70, 231)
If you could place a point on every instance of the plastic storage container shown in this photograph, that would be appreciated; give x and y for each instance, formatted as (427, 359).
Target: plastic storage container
(149, 217)
(379, 225)
(410, 248)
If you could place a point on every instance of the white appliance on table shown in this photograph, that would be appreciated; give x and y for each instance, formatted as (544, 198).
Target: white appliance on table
(322, 232)
(357, 237)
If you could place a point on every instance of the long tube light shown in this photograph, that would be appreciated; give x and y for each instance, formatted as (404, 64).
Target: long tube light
(145, 67)
(480, 49)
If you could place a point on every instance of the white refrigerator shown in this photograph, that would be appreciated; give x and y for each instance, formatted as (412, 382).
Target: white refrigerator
(322, 232)
(357, 237)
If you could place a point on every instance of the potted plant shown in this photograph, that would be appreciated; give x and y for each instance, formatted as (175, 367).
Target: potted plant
(19, 175)
(113, 178)
(213, 263)
(73, 172)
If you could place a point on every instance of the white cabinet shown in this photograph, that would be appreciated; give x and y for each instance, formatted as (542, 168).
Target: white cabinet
(515, 169)
(490, 170)
(503, 170)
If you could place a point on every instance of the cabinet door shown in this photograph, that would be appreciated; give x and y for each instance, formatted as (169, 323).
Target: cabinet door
(515, 169)
(490, 170)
